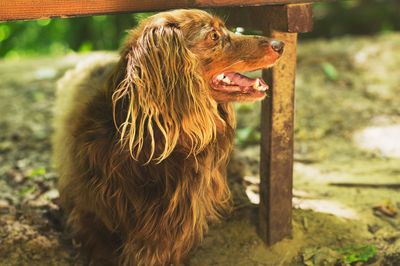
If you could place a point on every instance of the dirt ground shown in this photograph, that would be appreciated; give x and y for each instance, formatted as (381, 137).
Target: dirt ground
(346, 179)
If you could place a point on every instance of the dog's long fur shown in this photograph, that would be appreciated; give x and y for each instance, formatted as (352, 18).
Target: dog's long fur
(142, 142)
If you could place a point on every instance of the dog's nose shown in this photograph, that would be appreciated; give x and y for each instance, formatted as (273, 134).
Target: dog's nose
(277, 46)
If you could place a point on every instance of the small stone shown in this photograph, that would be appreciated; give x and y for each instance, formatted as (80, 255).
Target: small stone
(373, 228)
(4, 204)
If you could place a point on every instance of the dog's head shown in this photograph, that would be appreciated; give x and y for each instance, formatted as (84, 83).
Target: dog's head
(203, 40)
(223, 54)
(174, 69)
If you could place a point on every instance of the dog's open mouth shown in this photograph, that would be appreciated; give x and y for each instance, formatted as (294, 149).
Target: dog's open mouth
(233, 82)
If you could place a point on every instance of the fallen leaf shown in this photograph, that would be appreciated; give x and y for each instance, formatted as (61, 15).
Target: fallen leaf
(358, 253)
(329, 71)
(386, 208)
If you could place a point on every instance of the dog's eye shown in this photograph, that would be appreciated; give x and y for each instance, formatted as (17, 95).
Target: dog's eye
(214, 36)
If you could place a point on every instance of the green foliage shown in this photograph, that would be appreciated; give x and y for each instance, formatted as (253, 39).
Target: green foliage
(58, 36)
(247, 135)
(37, 172)
(357, 253)
(27, 190)
(329, 70)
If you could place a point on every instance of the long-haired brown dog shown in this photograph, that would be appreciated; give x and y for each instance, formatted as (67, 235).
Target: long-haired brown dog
(142, 144)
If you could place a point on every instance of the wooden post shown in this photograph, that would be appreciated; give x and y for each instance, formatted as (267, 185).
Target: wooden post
(277, 123)
(276, 165)
(281, 22)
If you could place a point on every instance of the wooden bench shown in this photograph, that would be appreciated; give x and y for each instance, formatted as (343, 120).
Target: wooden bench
(280, 19)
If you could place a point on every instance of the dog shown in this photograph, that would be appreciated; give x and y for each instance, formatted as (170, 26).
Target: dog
(142, 141)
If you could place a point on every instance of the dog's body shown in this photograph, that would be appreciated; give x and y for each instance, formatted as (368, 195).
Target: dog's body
(142, 143)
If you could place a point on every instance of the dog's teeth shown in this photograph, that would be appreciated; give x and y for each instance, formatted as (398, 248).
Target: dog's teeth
(226, 80)
(220, 77)
(223, 78)
(257, 84)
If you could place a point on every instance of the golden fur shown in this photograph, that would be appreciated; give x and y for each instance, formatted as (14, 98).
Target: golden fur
(141, 141)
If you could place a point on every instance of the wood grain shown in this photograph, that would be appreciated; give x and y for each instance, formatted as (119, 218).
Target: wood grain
(40, 9)
(285, 18)
(276, 162)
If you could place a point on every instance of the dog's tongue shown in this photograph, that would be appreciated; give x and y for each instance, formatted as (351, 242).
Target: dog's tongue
(235, 82)
(241, 80)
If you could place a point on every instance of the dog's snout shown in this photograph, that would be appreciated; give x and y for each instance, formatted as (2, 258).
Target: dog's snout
(277, 46)
(264, 42)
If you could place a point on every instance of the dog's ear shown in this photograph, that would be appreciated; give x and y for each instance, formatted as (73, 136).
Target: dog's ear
(167, 102)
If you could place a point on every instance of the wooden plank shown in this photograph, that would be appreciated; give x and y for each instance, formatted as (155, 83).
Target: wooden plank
(285, 18)
(299, 18)
(217, 3)
(276, 168)
(39, 9)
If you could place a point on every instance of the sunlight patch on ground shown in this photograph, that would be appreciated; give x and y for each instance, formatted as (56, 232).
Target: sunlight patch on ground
(253, 196)
(385, 140)
(325, 206)
(302, 200)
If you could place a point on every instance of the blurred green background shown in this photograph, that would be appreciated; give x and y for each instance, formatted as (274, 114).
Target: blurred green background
(58, 36)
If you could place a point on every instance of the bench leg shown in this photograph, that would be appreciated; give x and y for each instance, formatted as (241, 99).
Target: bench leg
(281, 22)
(276, 168)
